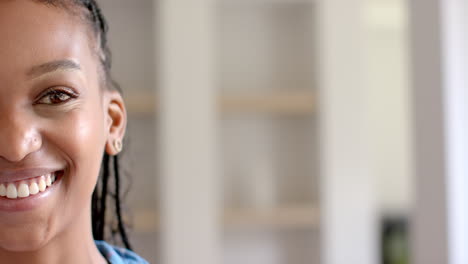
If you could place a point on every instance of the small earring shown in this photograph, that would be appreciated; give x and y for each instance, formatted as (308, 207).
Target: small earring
(118, 145)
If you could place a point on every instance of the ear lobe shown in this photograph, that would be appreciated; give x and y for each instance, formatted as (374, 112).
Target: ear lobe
(116, 121)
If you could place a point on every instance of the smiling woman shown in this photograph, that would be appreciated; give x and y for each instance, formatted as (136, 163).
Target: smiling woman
(62, 121)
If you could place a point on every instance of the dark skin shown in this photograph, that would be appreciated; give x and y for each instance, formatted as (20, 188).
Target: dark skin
(55, 112)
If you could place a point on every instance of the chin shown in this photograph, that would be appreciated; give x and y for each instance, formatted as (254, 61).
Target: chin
(23, 240)
(22, 246)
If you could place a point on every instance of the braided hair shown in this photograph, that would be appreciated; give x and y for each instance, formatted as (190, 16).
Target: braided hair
(91, 13)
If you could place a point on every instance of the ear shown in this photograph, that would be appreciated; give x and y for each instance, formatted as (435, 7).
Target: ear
(116, 119)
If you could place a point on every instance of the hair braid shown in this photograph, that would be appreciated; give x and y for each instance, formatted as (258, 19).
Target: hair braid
(101, 29)
(121, 227)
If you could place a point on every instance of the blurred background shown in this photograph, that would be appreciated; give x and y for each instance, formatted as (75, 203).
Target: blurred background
(294, 131)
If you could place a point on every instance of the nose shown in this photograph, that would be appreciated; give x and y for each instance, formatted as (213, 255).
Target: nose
(18, 137)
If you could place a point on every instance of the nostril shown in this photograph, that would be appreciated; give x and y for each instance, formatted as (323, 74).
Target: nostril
(36, 141)
(14, 147)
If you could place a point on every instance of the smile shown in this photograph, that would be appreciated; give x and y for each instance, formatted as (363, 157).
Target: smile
(29, 187)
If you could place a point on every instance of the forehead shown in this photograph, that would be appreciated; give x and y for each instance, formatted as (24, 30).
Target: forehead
(32, 33)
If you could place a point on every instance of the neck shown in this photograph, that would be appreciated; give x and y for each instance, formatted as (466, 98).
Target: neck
(74, 245)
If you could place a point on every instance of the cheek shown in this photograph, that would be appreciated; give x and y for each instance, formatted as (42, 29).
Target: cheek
(78, 139)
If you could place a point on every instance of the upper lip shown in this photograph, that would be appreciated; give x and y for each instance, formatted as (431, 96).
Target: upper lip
(24, 174)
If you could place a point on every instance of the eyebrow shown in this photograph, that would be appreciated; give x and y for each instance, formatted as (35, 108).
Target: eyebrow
(58, 65)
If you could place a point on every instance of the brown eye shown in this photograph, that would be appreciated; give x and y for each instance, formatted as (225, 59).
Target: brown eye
(56, 96)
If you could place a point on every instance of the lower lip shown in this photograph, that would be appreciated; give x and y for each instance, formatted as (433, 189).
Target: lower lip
(31, 202)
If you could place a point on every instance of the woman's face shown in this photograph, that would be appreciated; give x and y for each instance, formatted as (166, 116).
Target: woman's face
(54, 120)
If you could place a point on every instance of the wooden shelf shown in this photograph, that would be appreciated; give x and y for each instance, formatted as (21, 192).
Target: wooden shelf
(278, 219)
(284, 218)
(237, 2)
(279, 103)
(274, 103)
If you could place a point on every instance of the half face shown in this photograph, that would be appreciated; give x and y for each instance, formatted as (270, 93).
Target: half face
(54, 124)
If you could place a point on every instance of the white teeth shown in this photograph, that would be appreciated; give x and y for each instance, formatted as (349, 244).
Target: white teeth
(33, 188)
(48, 180)
(42, 184)
(2, 190)
(12, 193)
(23, 190)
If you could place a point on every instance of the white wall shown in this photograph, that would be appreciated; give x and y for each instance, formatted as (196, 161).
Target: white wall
(348, 204)
(366, 132)
(389, 109)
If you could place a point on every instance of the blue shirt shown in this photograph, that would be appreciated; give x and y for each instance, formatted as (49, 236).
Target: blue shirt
(116, 255)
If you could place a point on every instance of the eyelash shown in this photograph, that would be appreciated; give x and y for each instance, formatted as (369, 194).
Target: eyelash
(57, 92)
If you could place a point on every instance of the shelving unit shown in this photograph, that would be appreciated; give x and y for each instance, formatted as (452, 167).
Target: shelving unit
(256, 60)
(268, 105)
